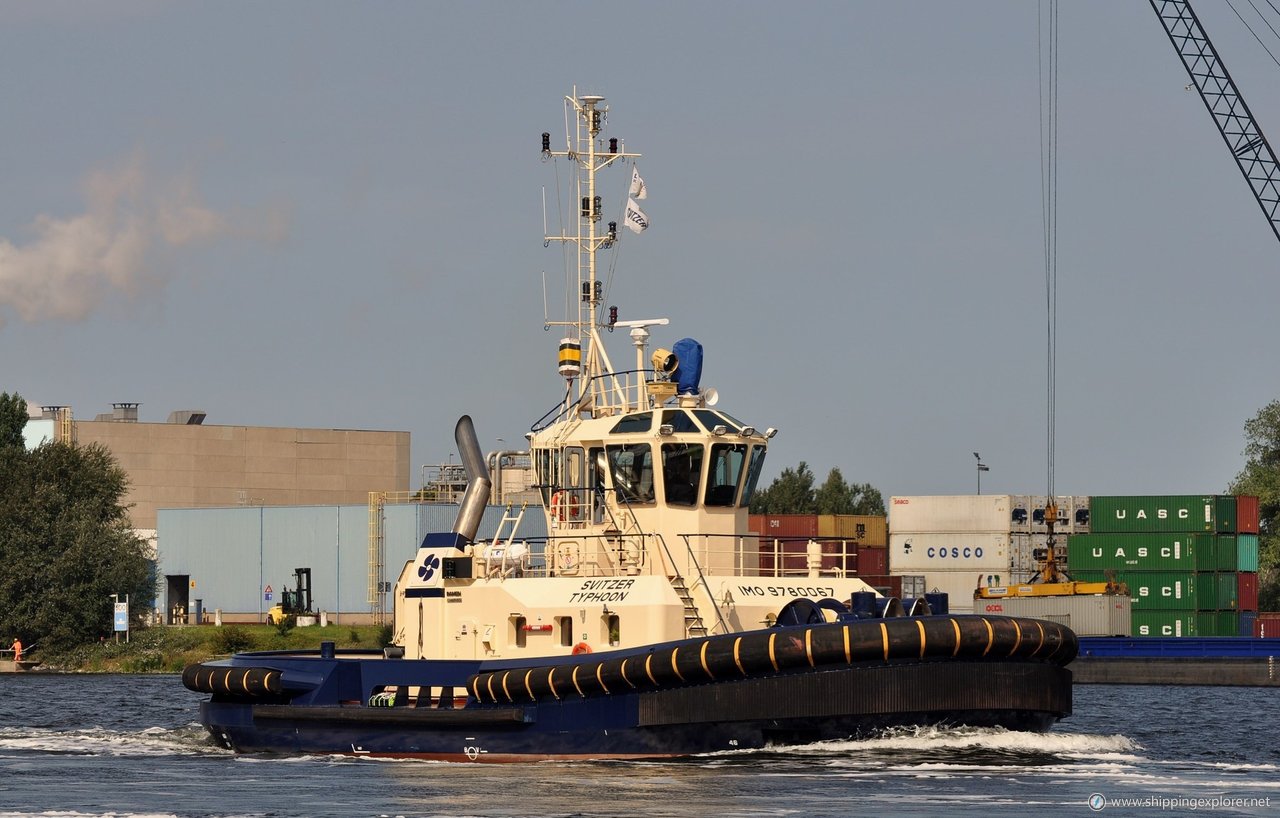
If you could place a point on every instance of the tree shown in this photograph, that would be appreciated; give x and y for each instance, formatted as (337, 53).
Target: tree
(792, 492)
(66, 544)
(13, 419)
(1261, 478)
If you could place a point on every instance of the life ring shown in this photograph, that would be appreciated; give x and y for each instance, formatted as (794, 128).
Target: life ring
(565, 506)
(581, 647)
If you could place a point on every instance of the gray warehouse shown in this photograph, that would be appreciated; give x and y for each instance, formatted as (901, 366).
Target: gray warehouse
(239, 560)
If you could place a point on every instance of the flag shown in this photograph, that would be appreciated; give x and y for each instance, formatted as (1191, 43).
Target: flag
(637, 184)
(635, 218)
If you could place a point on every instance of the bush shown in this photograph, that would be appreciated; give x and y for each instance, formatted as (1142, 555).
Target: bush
(354, 636)
(385, 635)
(287, 624)
(231, 639)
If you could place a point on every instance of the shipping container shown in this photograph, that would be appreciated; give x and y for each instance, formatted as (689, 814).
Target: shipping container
(1087, 615)
(1228, 555)
(865, 529)
(1267, 625)
(1149, 552)
(950, 513)
(1227, 623)
(1020, 513)
(1247, 591)
(1170, 623)
(784, 525)
(1247, 518)
(872, 561)
(1146, 514)
(1066, 513)
(1247, 552)
(1163, 590)
(1248, 623)
(965, 551)
(1026, 554)
(886, 585)
(957, 585)
(913, 586)
(1226, 595)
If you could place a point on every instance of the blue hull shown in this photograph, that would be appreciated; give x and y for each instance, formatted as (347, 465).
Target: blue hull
(788, 686)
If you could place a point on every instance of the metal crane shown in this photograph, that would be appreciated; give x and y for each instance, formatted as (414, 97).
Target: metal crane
(1239, 130)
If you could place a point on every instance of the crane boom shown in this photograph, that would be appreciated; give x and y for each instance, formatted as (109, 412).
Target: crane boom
(1239, 130)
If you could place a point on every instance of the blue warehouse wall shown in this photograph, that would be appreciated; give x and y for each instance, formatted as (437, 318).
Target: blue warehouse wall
(232, 555)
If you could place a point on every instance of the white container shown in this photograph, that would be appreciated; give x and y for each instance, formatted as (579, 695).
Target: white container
(957, 585)
(1020, 513)
(1101, 615)
(949, 513)
(975, 552)
(1022, 548)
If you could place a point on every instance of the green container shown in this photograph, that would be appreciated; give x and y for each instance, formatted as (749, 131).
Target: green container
(1228, 595)
(1227, 546)
(1247, 553)
(1227, 624)
(1163, 590)
(1146, 552)
(1172, 623)
(1146, 514)
(1224, 513)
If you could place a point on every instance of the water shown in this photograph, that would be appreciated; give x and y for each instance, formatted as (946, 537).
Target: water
(129, 746)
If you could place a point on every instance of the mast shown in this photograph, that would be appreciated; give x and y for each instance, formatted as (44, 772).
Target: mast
(590, 155)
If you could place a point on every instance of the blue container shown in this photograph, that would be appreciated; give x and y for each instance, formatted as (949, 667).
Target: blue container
(1247, 620)
(939, 603)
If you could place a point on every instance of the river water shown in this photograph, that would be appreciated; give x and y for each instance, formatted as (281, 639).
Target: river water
(91, 745)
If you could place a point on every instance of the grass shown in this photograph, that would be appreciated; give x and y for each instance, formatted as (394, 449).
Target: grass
(169, 649)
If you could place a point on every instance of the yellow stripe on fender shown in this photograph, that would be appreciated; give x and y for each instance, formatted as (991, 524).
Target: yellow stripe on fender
(675, 652)
(574, 677)
(648, 669)
(737, 660)
(848, 654)
(1017, 643)
(920, 625)
(623, 668)
(1039, 645)
(956, 626)
(528, 689)
(991, 636)
(884, 639)
(773, 659)
(808, 645)
(551, 682)
(600, 678)
(703, 656)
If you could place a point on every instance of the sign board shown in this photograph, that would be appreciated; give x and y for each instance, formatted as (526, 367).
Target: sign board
(121, 617)
(266, 593)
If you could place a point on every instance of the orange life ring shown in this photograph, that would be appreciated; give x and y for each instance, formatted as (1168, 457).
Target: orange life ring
(565, 506)
(581, 647)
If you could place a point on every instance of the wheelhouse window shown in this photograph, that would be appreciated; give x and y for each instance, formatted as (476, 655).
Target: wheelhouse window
(711, 420)
(631, 467)
(639, 422)
(727, 461)
(679, 421)
(681, 472)
(753, 475)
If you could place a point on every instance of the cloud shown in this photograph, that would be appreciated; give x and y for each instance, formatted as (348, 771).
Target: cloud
(71, 265)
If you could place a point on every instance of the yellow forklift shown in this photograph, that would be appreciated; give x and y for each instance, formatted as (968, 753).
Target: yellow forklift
(293, 603)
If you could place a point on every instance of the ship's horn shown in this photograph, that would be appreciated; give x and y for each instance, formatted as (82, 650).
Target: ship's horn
(476, 497)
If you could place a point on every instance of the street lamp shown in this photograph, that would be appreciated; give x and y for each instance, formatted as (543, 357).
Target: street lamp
(981, 468)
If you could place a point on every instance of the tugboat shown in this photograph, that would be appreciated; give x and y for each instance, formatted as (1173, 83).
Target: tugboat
(648, 622)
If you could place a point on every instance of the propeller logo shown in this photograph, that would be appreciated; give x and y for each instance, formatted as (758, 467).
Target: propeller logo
(428, 568)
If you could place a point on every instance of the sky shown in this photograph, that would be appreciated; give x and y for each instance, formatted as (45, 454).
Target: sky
(330, 215)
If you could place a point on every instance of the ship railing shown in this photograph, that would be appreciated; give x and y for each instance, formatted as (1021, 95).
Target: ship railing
(564, 409)
(755, 556)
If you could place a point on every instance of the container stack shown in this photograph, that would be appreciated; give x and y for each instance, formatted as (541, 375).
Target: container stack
(955, 542)
(1190, 561)
(1029, 532)
(852, 544)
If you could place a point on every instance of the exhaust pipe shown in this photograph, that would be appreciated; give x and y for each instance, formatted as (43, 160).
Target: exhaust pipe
(476, 497)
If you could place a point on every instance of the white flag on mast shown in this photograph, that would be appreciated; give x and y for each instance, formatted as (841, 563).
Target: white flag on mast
(635, 218)
(638, 190)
